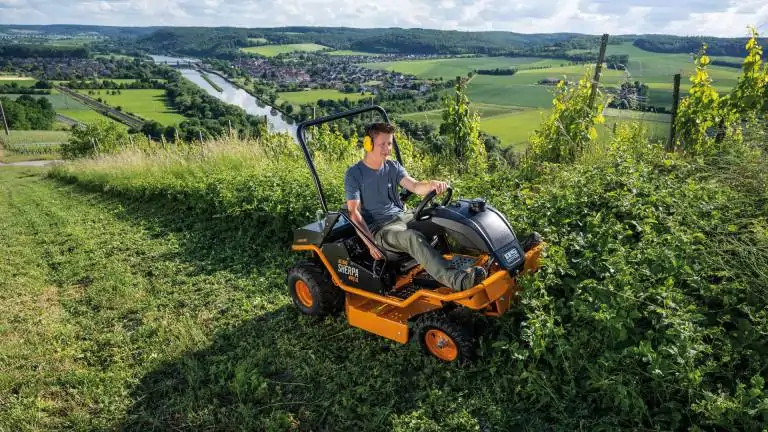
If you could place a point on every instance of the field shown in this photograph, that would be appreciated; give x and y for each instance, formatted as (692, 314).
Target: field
(522, 89)
(20, 81)
(450, 68)
(149, 104)
(147, 292)
(273, 50)
(31, 145)
(309, 96)
(351, 53)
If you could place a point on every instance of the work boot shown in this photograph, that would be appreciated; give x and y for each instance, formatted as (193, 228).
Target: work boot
(474, 276)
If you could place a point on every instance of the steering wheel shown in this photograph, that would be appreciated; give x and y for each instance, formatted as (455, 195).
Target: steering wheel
(417, 214)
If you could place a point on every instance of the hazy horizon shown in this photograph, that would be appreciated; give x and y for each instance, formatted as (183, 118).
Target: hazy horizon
(689, 17)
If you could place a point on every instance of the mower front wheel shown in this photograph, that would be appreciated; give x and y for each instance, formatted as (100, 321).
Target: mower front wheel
(445, 339)
(312, 290)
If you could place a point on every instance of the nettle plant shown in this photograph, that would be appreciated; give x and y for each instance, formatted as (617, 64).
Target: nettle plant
(704, 118)
(570, 127)
(749, 96)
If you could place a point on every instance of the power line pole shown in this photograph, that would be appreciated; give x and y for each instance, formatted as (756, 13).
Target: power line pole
(598, 69)
(5, 122)
(675, 102)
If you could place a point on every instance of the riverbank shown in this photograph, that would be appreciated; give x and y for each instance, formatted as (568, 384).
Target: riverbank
(241, 87)
(209, 81)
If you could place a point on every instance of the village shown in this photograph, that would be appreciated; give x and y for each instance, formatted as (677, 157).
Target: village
(308, 71)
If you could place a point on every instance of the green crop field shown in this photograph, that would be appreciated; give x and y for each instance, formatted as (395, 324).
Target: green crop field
(309, 96)
(450, 68)
(87, 116)
(58, 100)
(258, 40)
(19, 81)
(522, 89)
(34, 137)
(351, 53)
(150, 104)
(273, 50)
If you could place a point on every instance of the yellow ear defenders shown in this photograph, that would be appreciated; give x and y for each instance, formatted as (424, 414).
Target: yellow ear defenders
(368, 141)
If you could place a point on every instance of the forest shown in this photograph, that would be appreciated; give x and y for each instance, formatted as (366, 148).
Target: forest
(28, 113)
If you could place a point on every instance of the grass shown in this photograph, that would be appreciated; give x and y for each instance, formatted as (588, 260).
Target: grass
(20, 81)
(450, 68)
(310, 96)
(87, 116)
(58, 101)
(351, 53)
(273, 50)
(150, 104)
(521, 90)
(33, 137)
(146, 292)
(31, 145)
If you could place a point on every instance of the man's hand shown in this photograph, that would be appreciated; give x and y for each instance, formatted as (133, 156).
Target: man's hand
(438, 186)
(375, 252)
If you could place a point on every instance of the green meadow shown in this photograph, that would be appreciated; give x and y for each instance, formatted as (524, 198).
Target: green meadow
(351, 53)
(450, 68)
(273, 50)
(150, 104)
(310, 96)
(522, 89)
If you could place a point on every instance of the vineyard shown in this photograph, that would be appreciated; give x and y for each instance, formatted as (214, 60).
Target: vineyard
(152, 292)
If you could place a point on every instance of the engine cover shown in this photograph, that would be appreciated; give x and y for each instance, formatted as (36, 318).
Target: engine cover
(479, 227)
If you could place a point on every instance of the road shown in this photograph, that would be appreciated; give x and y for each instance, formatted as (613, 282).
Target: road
(102, 108)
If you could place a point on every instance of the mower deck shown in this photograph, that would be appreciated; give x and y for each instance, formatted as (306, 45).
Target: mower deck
(388, 316)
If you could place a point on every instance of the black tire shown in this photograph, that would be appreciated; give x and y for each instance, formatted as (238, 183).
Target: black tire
(434, 329)
(531, 241)
(319, 296)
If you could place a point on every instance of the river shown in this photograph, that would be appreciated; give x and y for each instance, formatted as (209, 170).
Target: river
(233, 95)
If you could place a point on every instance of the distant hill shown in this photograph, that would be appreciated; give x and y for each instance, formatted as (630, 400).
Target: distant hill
(226, 41)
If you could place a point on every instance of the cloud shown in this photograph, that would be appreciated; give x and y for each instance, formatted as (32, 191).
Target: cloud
(686, 17)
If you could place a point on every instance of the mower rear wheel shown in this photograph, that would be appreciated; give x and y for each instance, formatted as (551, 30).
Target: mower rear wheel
(445, 339)
(312, 291)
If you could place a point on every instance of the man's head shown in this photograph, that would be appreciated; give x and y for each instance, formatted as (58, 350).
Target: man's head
(382, 135)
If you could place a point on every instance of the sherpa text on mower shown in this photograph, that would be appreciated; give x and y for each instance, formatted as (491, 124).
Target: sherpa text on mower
(394, 297)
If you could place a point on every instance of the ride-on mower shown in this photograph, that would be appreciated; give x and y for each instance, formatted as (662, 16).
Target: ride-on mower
(394, 297)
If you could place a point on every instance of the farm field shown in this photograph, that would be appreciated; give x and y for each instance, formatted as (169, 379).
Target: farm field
(149, 104)
(88, 115)
(522, 89)
(69, 107)
(450, 68)
(273, 50)
(24, 145)
(351, 53)
(309, 96)
(58, 100)
(19, 81)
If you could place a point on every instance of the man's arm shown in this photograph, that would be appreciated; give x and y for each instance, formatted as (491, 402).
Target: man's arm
(357, 219)
(423, 187)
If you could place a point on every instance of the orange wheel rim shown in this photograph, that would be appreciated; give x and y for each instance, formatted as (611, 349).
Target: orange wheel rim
(441, 345)
(303, 293)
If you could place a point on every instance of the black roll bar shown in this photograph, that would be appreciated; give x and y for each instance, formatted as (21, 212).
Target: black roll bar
(329, 118)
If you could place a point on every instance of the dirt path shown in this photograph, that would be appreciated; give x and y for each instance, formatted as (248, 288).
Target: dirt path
(38, 163)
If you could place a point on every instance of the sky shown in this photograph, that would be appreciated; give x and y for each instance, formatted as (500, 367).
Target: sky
(726, 18)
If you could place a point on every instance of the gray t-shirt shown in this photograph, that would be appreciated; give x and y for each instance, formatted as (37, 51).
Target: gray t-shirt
(376, 190)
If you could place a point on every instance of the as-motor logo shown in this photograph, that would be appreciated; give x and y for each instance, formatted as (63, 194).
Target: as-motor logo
(345, 268)
(512, 256)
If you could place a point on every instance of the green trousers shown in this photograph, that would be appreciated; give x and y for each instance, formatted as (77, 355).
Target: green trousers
(395, 236)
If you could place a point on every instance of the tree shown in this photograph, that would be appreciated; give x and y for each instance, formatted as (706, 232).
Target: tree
(98, 137)
(461, 124)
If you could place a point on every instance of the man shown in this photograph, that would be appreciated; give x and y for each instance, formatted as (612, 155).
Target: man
(370, 188)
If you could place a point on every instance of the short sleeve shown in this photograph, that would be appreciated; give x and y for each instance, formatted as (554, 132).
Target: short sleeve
(400, 172)
(351, 186)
